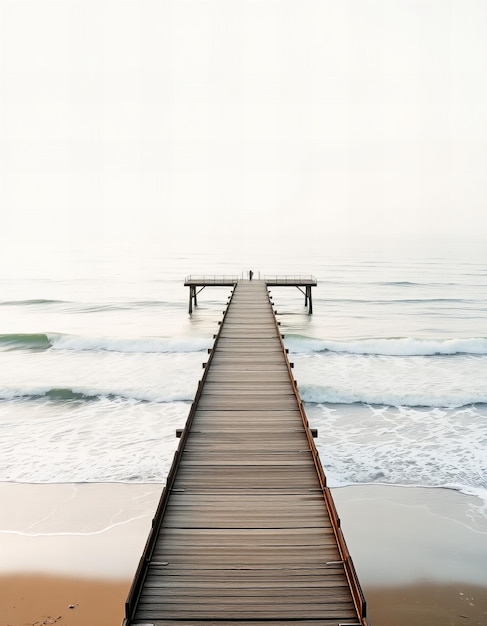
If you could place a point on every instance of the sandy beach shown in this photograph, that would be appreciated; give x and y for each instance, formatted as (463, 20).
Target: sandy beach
(69, 552)
(44, 600)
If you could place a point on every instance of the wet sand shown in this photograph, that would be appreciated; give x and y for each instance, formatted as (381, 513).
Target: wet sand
(420, 554)
(428, 605)
(80, 530)
(44, 600)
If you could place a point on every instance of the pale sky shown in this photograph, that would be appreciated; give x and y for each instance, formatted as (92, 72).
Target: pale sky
(181, 119)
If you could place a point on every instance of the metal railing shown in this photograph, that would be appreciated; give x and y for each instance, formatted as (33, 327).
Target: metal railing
(212, 279)
(290, 279)
(229, 279)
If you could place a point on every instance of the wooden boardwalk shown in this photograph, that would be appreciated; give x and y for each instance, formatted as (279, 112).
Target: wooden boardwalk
(246, 530)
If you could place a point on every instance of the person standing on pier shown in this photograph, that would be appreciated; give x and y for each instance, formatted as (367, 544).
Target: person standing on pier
(251, 273)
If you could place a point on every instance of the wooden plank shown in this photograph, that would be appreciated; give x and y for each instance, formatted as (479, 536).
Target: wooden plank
(260, 537)
(248, 418)
(241, 402)
(245, 390)
(221, 432)
(253, 622)
(222, 374)
(186, 590)
(275, 556)
(336, 595)
(299, 609)
(202, 584)
(248, 578)
(210, 622)
(267, 598)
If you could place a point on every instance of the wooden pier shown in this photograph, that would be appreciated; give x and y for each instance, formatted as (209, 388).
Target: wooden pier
(246, 531)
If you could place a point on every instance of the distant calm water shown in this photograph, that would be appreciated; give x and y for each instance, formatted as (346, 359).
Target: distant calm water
(99, 362)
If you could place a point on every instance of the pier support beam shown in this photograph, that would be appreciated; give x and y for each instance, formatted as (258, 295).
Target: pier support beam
(192, 298)
(308, 299)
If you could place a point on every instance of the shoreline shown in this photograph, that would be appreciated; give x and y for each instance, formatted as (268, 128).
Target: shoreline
(420, 553)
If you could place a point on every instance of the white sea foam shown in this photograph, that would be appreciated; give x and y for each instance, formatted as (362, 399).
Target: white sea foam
(428, 397)
(105, 441)
(403, 446)
(479, 492)
(86, 376)
(89, 394)
(115, 344)
(435, 381)
(68, 442)
(402, 346)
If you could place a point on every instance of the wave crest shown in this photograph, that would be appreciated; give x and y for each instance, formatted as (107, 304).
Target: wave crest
(32, 302)
(59, 341)
(21, 341)
(68, 394)
(456, 398)
(399, 346)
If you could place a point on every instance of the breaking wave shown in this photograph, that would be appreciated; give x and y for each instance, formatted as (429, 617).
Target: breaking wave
(31, 302)
(400, 346)
(59, 341)
(454, 398)
(67, 394)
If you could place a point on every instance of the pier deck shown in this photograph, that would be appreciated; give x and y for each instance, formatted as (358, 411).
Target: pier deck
(246, 530)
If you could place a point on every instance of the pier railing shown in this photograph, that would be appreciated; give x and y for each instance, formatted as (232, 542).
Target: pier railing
(222, 280)
(290, 279)
(231, 279)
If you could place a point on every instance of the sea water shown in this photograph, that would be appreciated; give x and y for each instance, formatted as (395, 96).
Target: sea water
(100, 361)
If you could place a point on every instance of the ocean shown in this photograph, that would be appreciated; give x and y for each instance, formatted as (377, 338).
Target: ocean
(100, 360)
